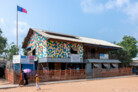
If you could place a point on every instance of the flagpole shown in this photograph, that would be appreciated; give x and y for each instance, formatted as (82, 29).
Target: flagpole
(17, 32)
(17, 38)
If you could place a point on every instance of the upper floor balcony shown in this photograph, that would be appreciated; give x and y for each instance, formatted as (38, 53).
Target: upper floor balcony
(91, 52)
(75, 58)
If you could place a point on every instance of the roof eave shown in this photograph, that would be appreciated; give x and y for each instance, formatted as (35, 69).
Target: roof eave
(31, 30)
(27, 38)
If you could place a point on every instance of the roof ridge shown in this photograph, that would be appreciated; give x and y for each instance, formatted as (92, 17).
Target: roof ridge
(53, 32)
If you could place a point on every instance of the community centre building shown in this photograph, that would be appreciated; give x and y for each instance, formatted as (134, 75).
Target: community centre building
(57, 51)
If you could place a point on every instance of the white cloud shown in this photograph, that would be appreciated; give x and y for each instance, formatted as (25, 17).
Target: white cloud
(132, 11)
(136, 33)
(89, 6)
(116, 4)
(9, 31)
(126, 6)
(22, 28)
(2, 22)
(120, 3)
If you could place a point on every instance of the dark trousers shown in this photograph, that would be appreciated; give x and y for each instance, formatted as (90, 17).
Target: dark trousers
(26, 81)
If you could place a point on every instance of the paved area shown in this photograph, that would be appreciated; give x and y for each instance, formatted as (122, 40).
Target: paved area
(112, 84)
(3, 82)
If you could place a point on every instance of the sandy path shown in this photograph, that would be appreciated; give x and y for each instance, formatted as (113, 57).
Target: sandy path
(127, 84)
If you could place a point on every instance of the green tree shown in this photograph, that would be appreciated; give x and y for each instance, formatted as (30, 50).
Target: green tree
(3, 43)
(121, 55)
(129, 44)
(24, 50)
(12, 51)
(129, 50)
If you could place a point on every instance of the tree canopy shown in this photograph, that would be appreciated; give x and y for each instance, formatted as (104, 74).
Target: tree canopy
(24, 50)
(3, 43)
(129, 44)
(129, 50)
(12, 50)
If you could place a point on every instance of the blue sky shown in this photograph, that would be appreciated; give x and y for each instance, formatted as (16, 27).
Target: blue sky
(108, 20)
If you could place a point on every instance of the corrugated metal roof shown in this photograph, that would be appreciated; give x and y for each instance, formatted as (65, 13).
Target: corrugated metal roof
(45, 34)
(73, 38)
(134, 63)
(135, 59)
(103, 61)
(97, 42)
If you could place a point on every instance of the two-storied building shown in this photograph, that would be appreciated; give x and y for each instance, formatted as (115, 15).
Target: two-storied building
(56, 51)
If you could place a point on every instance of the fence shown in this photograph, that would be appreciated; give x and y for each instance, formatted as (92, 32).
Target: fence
(45, 75)
(55, 75)
(9, 76)
(112, 72)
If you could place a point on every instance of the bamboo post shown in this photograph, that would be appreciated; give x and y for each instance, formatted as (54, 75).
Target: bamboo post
(60, 75)
(70, 74)
(65, 74)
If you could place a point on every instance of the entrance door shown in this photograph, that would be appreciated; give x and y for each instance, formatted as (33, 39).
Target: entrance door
(88, 68)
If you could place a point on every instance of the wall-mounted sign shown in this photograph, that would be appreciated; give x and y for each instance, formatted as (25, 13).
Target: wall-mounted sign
(104, 56)
(31, 59)
(75, 58)
(16, 59)
(23, 59)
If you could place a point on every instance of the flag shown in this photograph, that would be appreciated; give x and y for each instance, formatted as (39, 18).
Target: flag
(21, 9)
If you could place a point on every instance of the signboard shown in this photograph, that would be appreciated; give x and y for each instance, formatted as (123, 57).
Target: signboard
(104, 56)
(16, 59)
(31, 59)
(23, 59)
(75, 58)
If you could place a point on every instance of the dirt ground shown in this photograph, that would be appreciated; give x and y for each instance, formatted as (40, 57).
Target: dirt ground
(124, 84)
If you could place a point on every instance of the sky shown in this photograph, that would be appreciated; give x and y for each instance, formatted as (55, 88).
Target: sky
(107, 20)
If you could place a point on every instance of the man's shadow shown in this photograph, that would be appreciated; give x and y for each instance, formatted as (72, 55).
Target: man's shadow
(44, 89)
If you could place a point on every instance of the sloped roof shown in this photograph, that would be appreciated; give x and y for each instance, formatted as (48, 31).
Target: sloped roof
(134, 63)
(59, 36)
(135, 59)
(103, 61)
